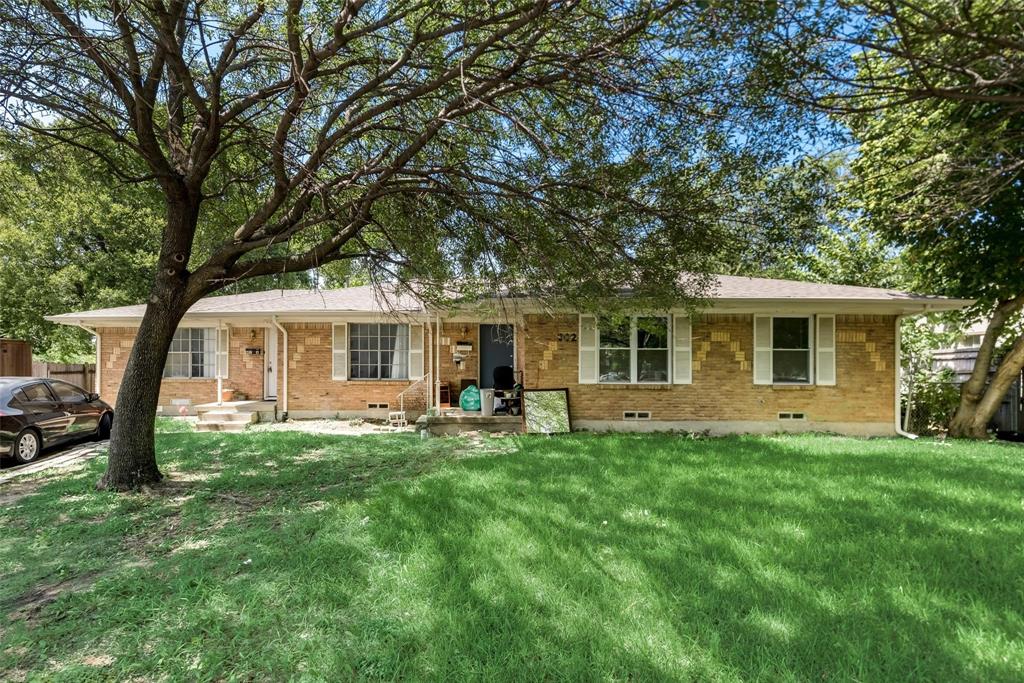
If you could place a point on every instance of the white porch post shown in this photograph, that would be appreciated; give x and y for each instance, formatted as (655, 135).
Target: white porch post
(437, 364)
(284, 367)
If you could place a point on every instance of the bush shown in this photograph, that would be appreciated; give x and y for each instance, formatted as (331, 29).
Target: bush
(933, 402)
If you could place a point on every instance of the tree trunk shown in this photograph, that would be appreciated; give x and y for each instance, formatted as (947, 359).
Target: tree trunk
(972, 417)
(132, 460)
(970, 421)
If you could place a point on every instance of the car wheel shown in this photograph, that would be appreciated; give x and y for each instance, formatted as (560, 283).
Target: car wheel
(27, 446)
(103, 430)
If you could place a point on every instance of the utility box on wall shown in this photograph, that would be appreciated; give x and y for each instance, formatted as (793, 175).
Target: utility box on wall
(15, 358)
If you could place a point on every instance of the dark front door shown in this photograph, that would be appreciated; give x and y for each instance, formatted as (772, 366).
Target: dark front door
(495, 350)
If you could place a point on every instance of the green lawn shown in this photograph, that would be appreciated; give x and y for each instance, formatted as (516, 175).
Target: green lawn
(278, 556)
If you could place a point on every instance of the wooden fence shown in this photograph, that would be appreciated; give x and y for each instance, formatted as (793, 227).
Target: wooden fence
(83, 375)
(15, 358)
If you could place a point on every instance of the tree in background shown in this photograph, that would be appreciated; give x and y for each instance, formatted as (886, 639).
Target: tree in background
(69, 239)
(567, 147)
(933, 92)
(73, 237)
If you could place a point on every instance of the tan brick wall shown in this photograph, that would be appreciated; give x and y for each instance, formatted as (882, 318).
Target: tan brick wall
(310, 386)
(470, 367)
(310, 383)
(723, 387)
(245, 373)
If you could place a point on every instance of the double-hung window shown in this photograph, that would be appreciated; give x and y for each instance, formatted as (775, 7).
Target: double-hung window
(378, 351)
(193, 353)
(791, 350)
(634, 350)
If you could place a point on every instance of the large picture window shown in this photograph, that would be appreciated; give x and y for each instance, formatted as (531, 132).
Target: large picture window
(193, 353)
(378, 351)
(791, 350)
(634, 350)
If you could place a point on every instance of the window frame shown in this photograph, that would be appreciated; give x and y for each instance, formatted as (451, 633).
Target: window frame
(634, 349)
(811, 327)
(210, 354)
(55, 383)
(349, 351)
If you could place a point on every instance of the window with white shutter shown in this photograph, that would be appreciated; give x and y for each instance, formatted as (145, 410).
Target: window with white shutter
(588, 349)
(826, 350)
(339, 351)
(223, 344)
(415, 351)
(682, 350)
(762, 349)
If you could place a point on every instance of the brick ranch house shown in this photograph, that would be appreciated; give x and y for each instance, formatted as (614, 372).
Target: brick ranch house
(763, 356)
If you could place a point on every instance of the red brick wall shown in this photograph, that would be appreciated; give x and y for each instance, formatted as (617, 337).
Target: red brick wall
(723, 387)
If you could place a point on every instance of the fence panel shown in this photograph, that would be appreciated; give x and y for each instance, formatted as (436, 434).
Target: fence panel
(15, 358)
(80, 374)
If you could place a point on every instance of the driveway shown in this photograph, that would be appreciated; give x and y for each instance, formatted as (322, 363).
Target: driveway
(61, 457)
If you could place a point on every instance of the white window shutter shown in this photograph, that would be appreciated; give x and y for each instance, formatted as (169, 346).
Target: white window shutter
(223, 345)
(415, 351)
(339, 351)
(826, 350)
(762, 349)
(588, 349)
(682, 350)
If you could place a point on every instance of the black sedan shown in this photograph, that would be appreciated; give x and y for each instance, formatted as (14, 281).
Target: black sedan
(37, 413)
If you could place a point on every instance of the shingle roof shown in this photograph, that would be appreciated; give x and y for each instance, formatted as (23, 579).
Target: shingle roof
(738, 287)
(363, 299)
(370, 299)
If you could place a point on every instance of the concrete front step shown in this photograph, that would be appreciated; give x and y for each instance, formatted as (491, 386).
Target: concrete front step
(221, 426)
(226, 416)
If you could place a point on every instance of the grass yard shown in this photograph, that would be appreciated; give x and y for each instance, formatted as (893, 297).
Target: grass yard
(287, 555)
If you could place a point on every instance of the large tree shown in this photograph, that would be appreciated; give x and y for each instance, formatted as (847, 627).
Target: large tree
(568, 146)
(933, 93)
(75, 237)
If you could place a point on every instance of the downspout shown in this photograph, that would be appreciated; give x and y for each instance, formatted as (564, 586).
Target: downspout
(216, 355)
(93, 332)
(284, 371)
(899, 372)
(437, 364)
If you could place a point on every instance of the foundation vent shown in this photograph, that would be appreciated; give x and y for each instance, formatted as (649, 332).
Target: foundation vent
(636, 415)
(792, 416)
(378, 406)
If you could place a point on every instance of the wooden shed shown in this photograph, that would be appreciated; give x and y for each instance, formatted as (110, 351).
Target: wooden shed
(15, 358)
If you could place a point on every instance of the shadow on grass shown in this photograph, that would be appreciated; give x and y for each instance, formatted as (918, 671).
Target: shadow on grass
(641, 557)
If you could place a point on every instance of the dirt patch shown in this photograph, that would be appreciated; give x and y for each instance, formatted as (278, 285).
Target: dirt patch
(355, 427)
(29, 605)
(97, 660)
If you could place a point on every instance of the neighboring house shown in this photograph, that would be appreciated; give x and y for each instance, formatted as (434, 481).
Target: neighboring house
(960, 358)
(763, 356)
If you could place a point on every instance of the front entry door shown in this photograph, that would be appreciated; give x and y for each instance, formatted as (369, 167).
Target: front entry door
(270, 364)
(496, 349)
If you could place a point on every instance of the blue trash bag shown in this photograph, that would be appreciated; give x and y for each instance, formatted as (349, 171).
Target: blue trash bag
(469, 399)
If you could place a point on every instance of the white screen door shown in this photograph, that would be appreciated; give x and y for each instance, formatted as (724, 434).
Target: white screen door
(270, 364)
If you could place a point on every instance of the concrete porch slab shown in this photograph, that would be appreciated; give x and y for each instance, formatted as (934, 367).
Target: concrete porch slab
(457, 423)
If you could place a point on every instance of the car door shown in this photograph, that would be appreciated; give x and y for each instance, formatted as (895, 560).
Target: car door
(43, 411)
(82, 416)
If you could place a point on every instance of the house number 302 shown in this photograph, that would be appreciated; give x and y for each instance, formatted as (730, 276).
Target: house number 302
(567, 337)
